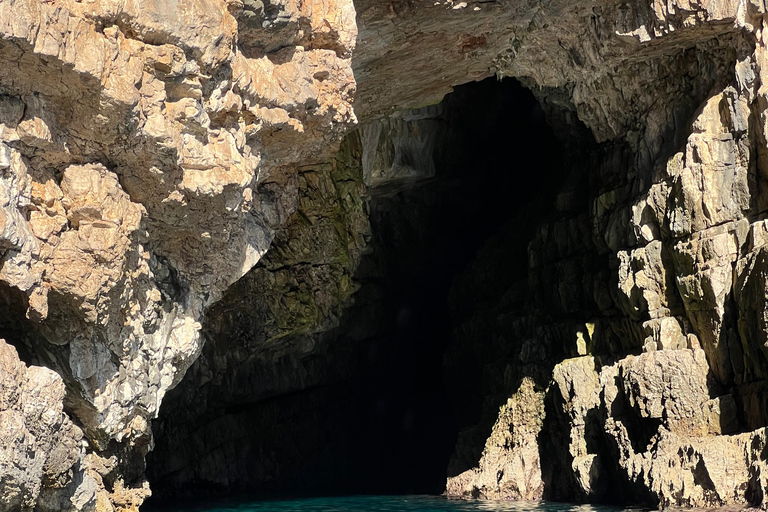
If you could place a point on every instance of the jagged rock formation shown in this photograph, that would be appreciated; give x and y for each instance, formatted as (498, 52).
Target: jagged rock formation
(151, 152)
(135, 137)
(510, 467)
(45, 461)
(645, 263)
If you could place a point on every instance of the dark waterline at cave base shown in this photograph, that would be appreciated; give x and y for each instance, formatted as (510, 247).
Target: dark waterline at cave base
(411, 503)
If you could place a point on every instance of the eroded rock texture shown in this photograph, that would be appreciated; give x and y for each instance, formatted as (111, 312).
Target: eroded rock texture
(645, 259)
(135, 140)
(151, 152)
(660, 407)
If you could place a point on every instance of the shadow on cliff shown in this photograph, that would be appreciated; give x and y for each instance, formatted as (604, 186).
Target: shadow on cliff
(367, 410)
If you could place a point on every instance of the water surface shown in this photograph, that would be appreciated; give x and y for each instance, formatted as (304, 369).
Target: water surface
(391, 504)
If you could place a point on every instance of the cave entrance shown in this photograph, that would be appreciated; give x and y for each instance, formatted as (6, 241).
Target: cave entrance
(483, 159)
(375, 405)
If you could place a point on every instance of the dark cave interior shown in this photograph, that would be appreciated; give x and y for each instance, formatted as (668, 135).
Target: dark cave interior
(383, 416)
(497, 154)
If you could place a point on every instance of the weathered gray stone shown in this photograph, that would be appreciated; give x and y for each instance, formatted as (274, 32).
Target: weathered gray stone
(151, 152)
(41, 450)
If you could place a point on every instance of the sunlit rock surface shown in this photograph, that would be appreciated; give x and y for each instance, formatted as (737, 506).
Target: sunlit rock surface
(135, 139)
(152, 152)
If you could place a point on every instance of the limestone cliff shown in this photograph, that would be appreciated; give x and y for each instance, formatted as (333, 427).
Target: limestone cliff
(151, 152)
(135, 140)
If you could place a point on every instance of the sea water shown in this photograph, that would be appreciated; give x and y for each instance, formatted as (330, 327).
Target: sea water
(390, 504)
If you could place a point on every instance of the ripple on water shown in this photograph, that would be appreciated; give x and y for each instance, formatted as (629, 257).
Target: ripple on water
(393, 504)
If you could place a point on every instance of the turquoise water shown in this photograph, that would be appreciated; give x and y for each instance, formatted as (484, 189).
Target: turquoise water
(392, 504)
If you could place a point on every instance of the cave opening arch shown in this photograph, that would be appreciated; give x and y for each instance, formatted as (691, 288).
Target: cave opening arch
(372, 400)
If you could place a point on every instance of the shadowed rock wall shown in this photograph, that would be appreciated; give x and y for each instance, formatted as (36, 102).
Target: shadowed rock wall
(360, 399)
(150, 152)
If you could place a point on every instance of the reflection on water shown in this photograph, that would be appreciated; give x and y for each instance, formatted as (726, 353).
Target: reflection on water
(393, 504)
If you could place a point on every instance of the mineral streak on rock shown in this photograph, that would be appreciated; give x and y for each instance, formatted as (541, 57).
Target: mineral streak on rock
(151, 151)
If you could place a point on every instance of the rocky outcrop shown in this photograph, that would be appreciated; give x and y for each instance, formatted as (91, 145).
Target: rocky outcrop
(641, 280)
(44, 461)
(135, 138)
(151, 153)
(40, 443)
(667, 442)
(510, 468)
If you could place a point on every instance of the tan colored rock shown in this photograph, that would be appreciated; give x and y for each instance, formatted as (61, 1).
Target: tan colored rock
(134, 139)
(713, 185)
(688, 461)
(699, 472)
(704, 265)
(579, 390)
(510, 468)
(149, 151)
(644, 280)
(669, 385)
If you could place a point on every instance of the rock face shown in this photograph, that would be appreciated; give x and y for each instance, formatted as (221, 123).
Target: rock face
(674, 444)
(40, 443)
(151, 152)
(44, 462)
(639, 276)
(632, 320)
(511, 466)
(135, 139)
